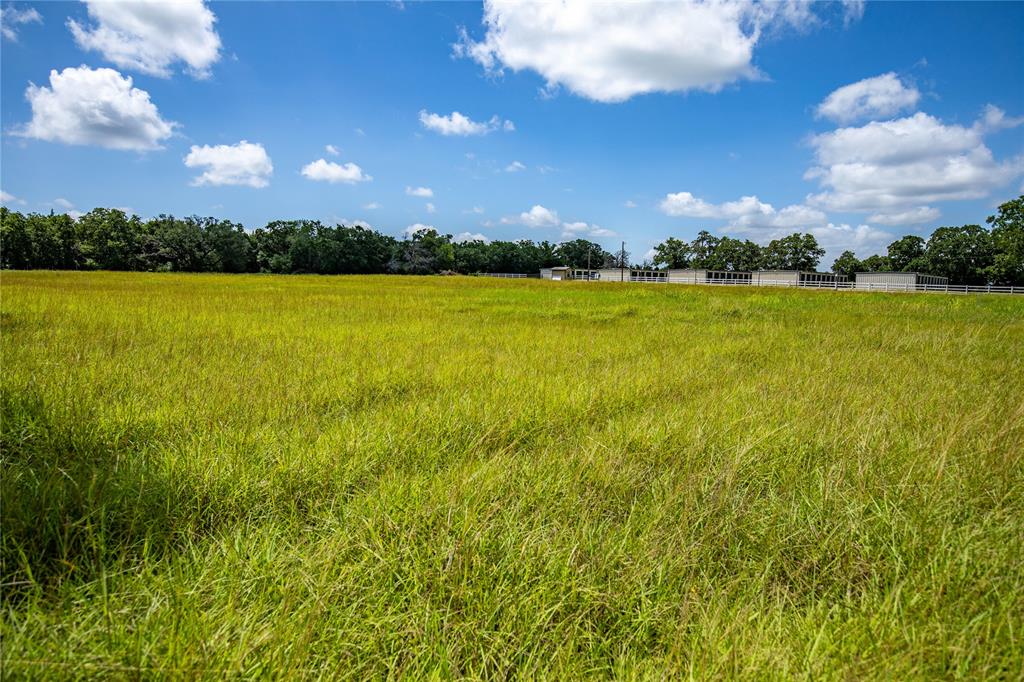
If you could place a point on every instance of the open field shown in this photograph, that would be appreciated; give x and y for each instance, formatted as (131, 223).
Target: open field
(396, 476)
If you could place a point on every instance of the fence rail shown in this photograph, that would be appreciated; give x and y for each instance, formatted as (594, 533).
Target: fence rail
(506, 275)
(839, 286)
(757, 282)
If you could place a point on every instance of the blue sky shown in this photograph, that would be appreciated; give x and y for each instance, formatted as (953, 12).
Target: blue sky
(635, 122)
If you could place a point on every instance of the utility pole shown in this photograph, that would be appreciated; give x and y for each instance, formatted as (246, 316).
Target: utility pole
(622, 263)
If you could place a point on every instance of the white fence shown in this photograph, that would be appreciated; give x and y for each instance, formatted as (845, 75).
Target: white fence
(835, 286)
(507, 275)
(840, 286)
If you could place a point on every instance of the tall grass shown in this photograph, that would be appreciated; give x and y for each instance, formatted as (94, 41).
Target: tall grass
(209, 476)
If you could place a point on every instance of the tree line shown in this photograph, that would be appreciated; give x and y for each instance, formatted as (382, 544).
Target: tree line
(969, 254)
(110, 239)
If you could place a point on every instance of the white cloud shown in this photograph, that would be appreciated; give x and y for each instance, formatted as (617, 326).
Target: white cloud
(328, 171)
(579, 229)
(993, 118)
(459, 124)
(373, 205)
(150, 36)
(514, 167)
(360, 132)
(11, 16)
(244, 163)
(350, 223)
(862, 239)
(476, 209)
(853, 10)
(419, 191)
(332, 150)
(538, 216)
(7, 198)
(431, 208)
(913, 216)
(417, 227)
(888, 167)
(610, 52)
(871, 98)
(630, 204)
(747, 214)
(94, 107)
(463, 237)
(63, 203)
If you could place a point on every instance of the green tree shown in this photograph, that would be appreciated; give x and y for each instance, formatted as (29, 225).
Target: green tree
(907, 254)
(736, 255)
(110, 240)
(15, 240)
(672, 253)
(578, 253)
(847, 264)
(1007, 232)
(795, 252)
(702, 251)
(425, 252)
(876, 263)
(963, 254)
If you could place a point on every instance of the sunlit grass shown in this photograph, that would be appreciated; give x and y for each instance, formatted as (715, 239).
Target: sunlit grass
(372, 476)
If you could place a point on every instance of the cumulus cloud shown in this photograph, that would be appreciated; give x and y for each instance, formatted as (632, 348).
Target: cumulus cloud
(610, 52)
(417, 227)
(419, 191)
(373, 205)
(476, 209)
(328, 171)
(11, 17)
(463, 237)
(151, 35)
(746, 213)
(332, 150)
(7, 198)
(878, 97)
(630, 203)
(514, 167)
(863, 239)
(993, 118)
(244, 163)
(538, 216)
(431, 208)
(459, 124)
(578, 229)
(913, 216)
(889, 167)
(94, 107)
(61, 202)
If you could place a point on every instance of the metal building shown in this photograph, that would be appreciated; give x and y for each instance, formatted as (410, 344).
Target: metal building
(794, 278)
(727, 277)
(688, 276)
(898, 281)
(559, 272)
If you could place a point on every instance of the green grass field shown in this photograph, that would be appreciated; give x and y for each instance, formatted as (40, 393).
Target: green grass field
(291, 476)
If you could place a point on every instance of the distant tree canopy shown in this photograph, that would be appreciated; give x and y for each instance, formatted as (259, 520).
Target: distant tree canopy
(969, 254)
(109, 239)
(708, 252)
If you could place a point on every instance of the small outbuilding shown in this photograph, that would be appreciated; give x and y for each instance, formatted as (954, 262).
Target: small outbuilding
(557, 273)
(898, 281)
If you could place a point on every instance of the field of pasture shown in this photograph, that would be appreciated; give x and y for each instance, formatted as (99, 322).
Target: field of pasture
(383, 476)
